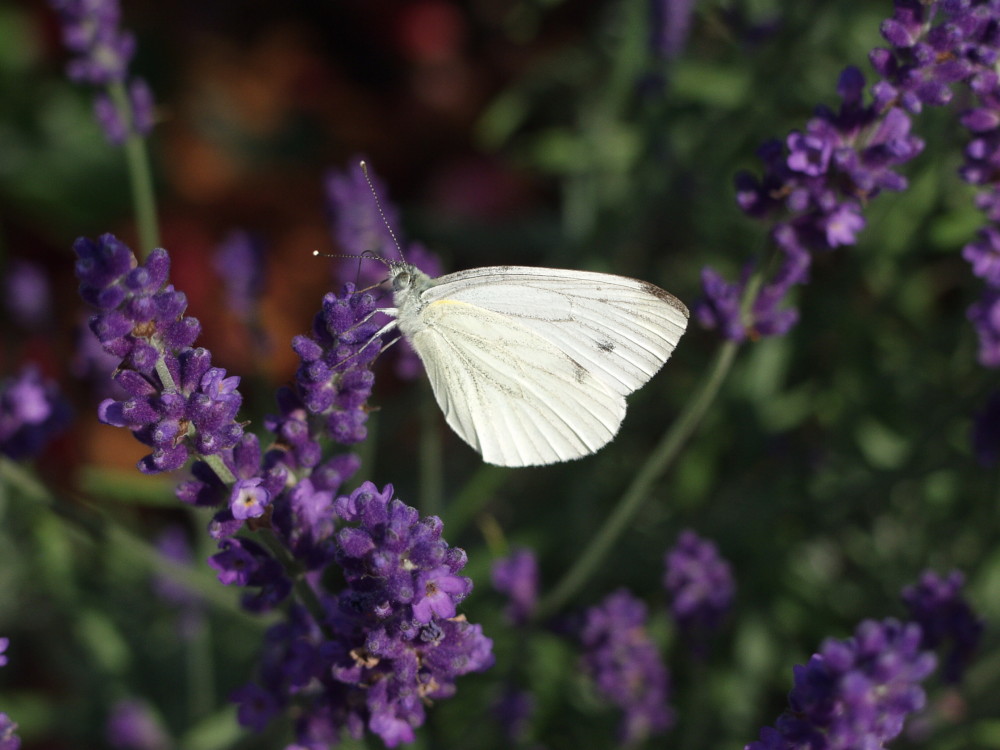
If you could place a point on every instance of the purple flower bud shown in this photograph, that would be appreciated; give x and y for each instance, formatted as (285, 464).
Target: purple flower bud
(700, 585)
(937, 605)
(32, 412)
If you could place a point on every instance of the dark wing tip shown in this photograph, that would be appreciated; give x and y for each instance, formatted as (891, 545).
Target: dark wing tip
(667, 297)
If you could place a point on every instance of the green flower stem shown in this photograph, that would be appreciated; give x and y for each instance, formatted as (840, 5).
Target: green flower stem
(303, 591)
(139, 172)
(431, 467)
(217, 465)
(164, 373)
(660, 459)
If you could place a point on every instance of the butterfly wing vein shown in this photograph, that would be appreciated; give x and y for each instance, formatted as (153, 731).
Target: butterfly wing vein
(511, 393)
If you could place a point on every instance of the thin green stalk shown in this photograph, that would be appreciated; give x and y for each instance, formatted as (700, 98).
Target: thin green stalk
(303, 590)
(431, 482)
(217, 465)
(99, 525)
(139, 172)
(660, 459)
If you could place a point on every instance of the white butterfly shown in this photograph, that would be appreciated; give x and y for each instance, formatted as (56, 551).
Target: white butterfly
(532, 365)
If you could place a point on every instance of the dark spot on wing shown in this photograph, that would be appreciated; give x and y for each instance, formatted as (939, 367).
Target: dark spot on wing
(606, 346)
(579, 372)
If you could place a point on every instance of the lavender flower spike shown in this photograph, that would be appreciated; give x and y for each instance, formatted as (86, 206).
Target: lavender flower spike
(103, 51)
(700, 584)
(936, 604)
(854, 693)
(392, 640)
(177, 404)
(626, 667)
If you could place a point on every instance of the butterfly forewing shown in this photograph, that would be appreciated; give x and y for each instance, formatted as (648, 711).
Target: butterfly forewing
(619, 329)
(510, 392)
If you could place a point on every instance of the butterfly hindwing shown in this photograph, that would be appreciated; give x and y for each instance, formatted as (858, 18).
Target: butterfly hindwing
(508, 391)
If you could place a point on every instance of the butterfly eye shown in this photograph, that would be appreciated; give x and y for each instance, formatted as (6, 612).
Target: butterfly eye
(401, 280)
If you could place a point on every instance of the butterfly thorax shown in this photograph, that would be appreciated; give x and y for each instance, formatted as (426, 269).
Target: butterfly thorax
(408, 285)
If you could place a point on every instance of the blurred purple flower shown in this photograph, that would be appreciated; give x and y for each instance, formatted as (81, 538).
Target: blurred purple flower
(359, 229)
(517, 577)
(854, 693)
(8, 740)
(936, 604)
(700, 585)
(626, 667)
(358, 225)
(132, 725)
(32, 412)
(671, 23)
(27, 294)
(91, 31)
(239, 261)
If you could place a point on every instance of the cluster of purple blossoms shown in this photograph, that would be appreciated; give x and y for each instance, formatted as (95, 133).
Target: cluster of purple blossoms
(334, 378)
(177, 402)
(32, 412)
(517, 577)
(700, 585)
(854, 693)
(360, 226)
(8, 740)
(371, 655)
(815, 185)
(391, 640)
(626, 666)
(945, 617)
(103, 51)
(859, 692)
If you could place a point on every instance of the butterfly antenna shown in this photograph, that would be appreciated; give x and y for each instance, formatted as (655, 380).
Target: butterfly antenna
(378, 204)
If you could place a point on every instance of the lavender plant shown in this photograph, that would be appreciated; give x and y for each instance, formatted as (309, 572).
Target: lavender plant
(390, 640)
(8, 739)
